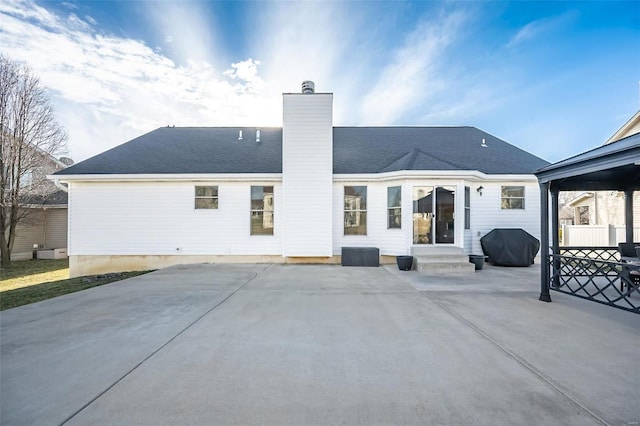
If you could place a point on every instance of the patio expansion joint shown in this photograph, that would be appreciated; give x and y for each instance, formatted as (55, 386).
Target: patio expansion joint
(517, 358)
(152, 354)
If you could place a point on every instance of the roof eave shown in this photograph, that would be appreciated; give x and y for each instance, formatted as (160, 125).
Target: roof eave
(473, 175)
(159, 177)
(589, 165)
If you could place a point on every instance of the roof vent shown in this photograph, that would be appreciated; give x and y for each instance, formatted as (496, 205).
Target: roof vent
(240, 135)
(483, 144)
(258, 135)
(308, 86)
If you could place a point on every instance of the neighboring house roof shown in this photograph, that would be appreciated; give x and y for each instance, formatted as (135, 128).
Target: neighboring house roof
(174, 150)
(580, 197)
(630, 128)
(57, 198)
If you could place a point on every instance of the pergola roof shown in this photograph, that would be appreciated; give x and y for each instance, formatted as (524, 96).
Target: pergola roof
(615, 166)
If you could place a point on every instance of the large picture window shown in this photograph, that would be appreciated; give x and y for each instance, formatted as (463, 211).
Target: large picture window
(262, 210)
(394, 207)
(206, 197)
(512, 198)
(355, 210)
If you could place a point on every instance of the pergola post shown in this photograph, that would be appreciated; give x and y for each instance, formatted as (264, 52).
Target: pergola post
(555, 243)
(628, 215)
(544, 243)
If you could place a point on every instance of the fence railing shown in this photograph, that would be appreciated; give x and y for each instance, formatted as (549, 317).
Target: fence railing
(608, 254)
(593, 273)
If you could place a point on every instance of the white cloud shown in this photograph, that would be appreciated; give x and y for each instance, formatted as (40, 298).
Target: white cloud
(247, 73)
(191, 36)
(413, 74)
(402, 69)
(534, 28)
(109, 89)
(333, 44)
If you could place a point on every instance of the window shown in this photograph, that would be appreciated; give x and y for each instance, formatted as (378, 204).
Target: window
(206, 197)
(26, 179)
(467, 207)
(355, 210)
(262, 210)
(512, 198)
(394, 207)
(582, 213)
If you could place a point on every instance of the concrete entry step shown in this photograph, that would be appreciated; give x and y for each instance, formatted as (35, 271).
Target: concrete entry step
(441, 260)
(430, 266)
(430, 250)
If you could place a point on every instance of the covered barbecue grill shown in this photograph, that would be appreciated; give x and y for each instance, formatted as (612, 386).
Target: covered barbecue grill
(510, 247)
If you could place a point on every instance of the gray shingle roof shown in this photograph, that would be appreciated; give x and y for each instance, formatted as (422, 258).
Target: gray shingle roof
(175, 150)
(56, 198)
(384, 149)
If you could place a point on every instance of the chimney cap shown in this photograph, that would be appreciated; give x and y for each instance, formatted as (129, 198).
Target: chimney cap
(308, 86)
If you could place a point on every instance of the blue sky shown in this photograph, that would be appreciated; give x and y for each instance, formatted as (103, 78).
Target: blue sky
(554, 78)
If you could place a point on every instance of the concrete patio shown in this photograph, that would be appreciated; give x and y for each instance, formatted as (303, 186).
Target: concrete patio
(302, 344)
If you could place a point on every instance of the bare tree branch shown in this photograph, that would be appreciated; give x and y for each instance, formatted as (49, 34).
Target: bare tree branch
(30, 137)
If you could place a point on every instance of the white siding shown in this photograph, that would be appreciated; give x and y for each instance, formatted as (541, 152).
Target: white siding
(158, 218)
(468, 242)
(56, 228)
(390, 241)
(486, 213)
(307, 166)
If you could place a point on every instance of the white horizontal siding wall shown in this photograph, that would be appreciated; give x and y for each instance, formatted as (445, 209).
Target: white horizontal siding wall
(486, 213)
(391, 242)
(158, 218)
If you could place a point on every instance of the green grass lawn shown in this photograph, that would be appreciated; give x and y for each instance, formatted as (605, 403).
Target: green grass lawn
(35, 280)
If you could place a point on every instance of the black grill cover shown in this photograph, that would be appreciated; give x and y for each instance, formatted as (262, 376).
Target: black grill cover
(510, 247)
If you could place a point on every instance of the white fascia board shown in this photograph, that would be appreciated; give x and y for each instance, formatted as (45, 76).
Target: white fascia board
(227, 177)
(472, 175)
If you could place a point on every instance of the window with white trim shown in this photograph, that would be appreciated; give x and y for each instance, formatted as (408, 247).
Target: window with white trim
(355, 210)
(467, 207)
(206, 197)
(512, 198)
(394, 207)
(261, 210)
